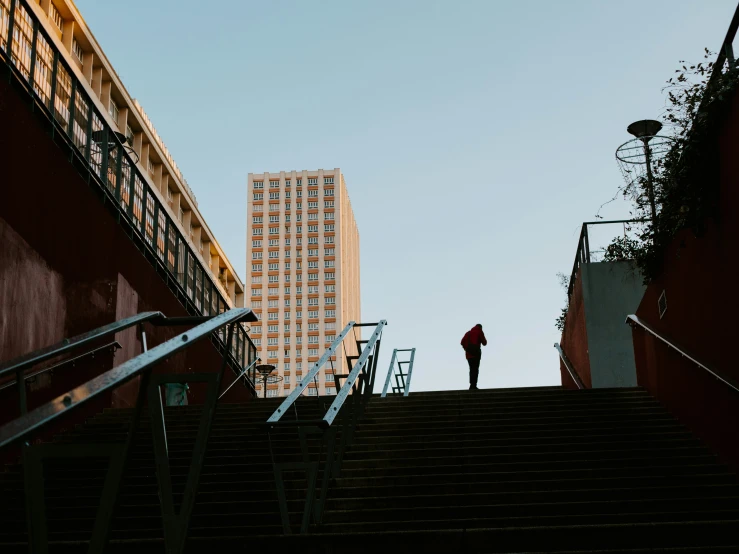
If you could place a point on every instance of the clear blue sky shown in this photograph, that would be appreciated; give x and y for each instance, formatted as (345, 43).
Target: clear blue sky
(475, 137)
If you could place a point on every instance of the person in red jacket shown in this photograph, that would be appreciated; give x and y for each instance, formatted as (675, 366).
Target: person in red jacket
(472, 342)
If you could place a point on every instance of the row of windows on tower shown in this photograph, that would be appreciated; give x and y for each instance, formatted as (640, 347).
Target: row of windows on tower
(275, 195)
(311, 289)
(275, 279)
(257, 243)
(312, 181)
(288, 218)
(312, 264)
(312, 314)
(312, 339)
(299, 327)
(327, 228)
(327, 204)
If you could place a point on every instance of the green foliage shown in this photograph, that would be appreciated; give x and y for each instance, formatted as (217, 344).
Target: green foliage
(686, 178)
(564, 282)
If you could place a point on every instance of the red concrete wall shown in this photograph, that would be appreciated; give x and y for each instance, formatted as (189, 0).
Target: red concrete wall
(574, 339)
(699, 278)
(67, 266)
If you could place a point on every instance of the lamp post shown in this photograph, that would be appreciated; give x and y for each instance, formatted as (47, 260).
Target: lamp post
(645, 130)
(265, 370)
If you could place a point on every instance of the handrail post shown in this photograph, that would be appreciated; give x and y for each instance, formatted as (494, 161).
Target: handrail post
(21, 382)
(389, 373)
(410, 372)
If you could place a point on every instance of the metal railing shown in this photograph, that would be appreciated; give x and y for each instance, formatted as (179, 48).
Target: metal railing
(584, 253)
(101, 154)
(402, 386)
(570, 369)
(634, 320)
(175, 524)
(334, 432)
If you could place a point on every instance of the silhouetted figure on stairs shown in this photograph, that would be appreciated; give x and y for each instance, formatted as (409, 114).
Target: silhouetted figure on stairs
(472, 343)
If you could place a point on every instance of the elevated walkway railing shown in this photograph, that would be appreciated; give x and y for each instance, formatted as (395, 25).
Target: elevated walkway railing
(175, 523)
(635, 321)
(568, 366)
(334, 432)
(402, 380)
(102, 155)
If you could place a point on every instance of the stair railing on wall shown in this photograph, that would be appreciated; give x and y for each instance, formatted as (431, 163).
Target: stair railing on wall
(568, 366)
(635, 321)
(150, 391)
(402, 380)
(333, 433)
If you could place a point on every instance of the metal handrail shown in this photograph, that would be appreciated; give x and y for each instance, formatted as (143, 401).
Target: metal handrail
(404, 385)
(239, 376)
(42, 415)
(32, 358)
(341, 396)
(115, 345)
(571, 370)
(283, 408)
(632, 320)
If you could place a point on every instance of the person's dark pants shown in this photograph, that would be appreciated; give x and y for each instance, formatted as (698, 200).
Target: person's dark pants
(474, 370)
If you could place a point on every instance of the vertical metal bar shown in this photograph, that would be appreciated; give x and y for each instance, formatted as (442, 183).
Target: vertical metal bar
(32, 65)
(104, 159)
(20, 380)
(11, 24)
(166, 243)
(586, 242)
(72, 108)
(185, 266)
(118, 172)
(88, 145)
(410, 372)
(35, 505)
(389, 373)
(52, 95)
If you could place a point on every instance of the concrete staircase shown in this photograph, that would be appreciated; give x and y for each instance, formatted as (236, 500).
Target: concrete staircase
(516, 470)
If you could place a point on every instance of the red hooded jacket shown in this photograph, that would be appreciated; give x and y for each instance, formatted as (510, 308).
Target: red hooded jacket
(472, 340)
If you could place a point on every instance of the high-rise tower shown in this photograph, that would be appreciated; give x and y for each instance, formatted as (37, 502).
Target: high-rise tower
(302, 273)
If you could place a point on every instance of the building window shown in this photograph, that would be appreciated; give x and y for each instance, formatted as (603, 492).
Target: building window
(274, 208)
(274, 219)
(298, 182)
(286, 315)
(313, 301)
(329, 251)
(258, 184)
(328, 203)
(275, 230)
(77, 50)
(257, 219)
(257, 342)
(273, 304)
(312, 193)
(328, 180)
(313, 251)
(330, 288)
(312, 228)
(256, 267)
(313, 339)
(272, 341)
(328, 240)
(287, 377)
(312, 314)
(313, 327)
(274, 184)
(312, 217)
(273, 267)
(330, 338)
(287, 182)
(329, 228)
(313, 276)
(271, 393)
(330, 276)
(312, 181)
(331, 326)
(312, 289)
(56, 17)
(256, 255)
(272, 316)
(329, 215)
(331, 300)
(313, 240)
(274, 195)
(256, 279)
(312, 204)
(256, 231)
(274, 242)
(257, 329)
(312, 265)
(330, 313)
(328, 192)
(313, 352)
(258, 196)
(256, 292)
(256, 244)
(274, 254)
(113, 111)
(300, 194)
(328, 263)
